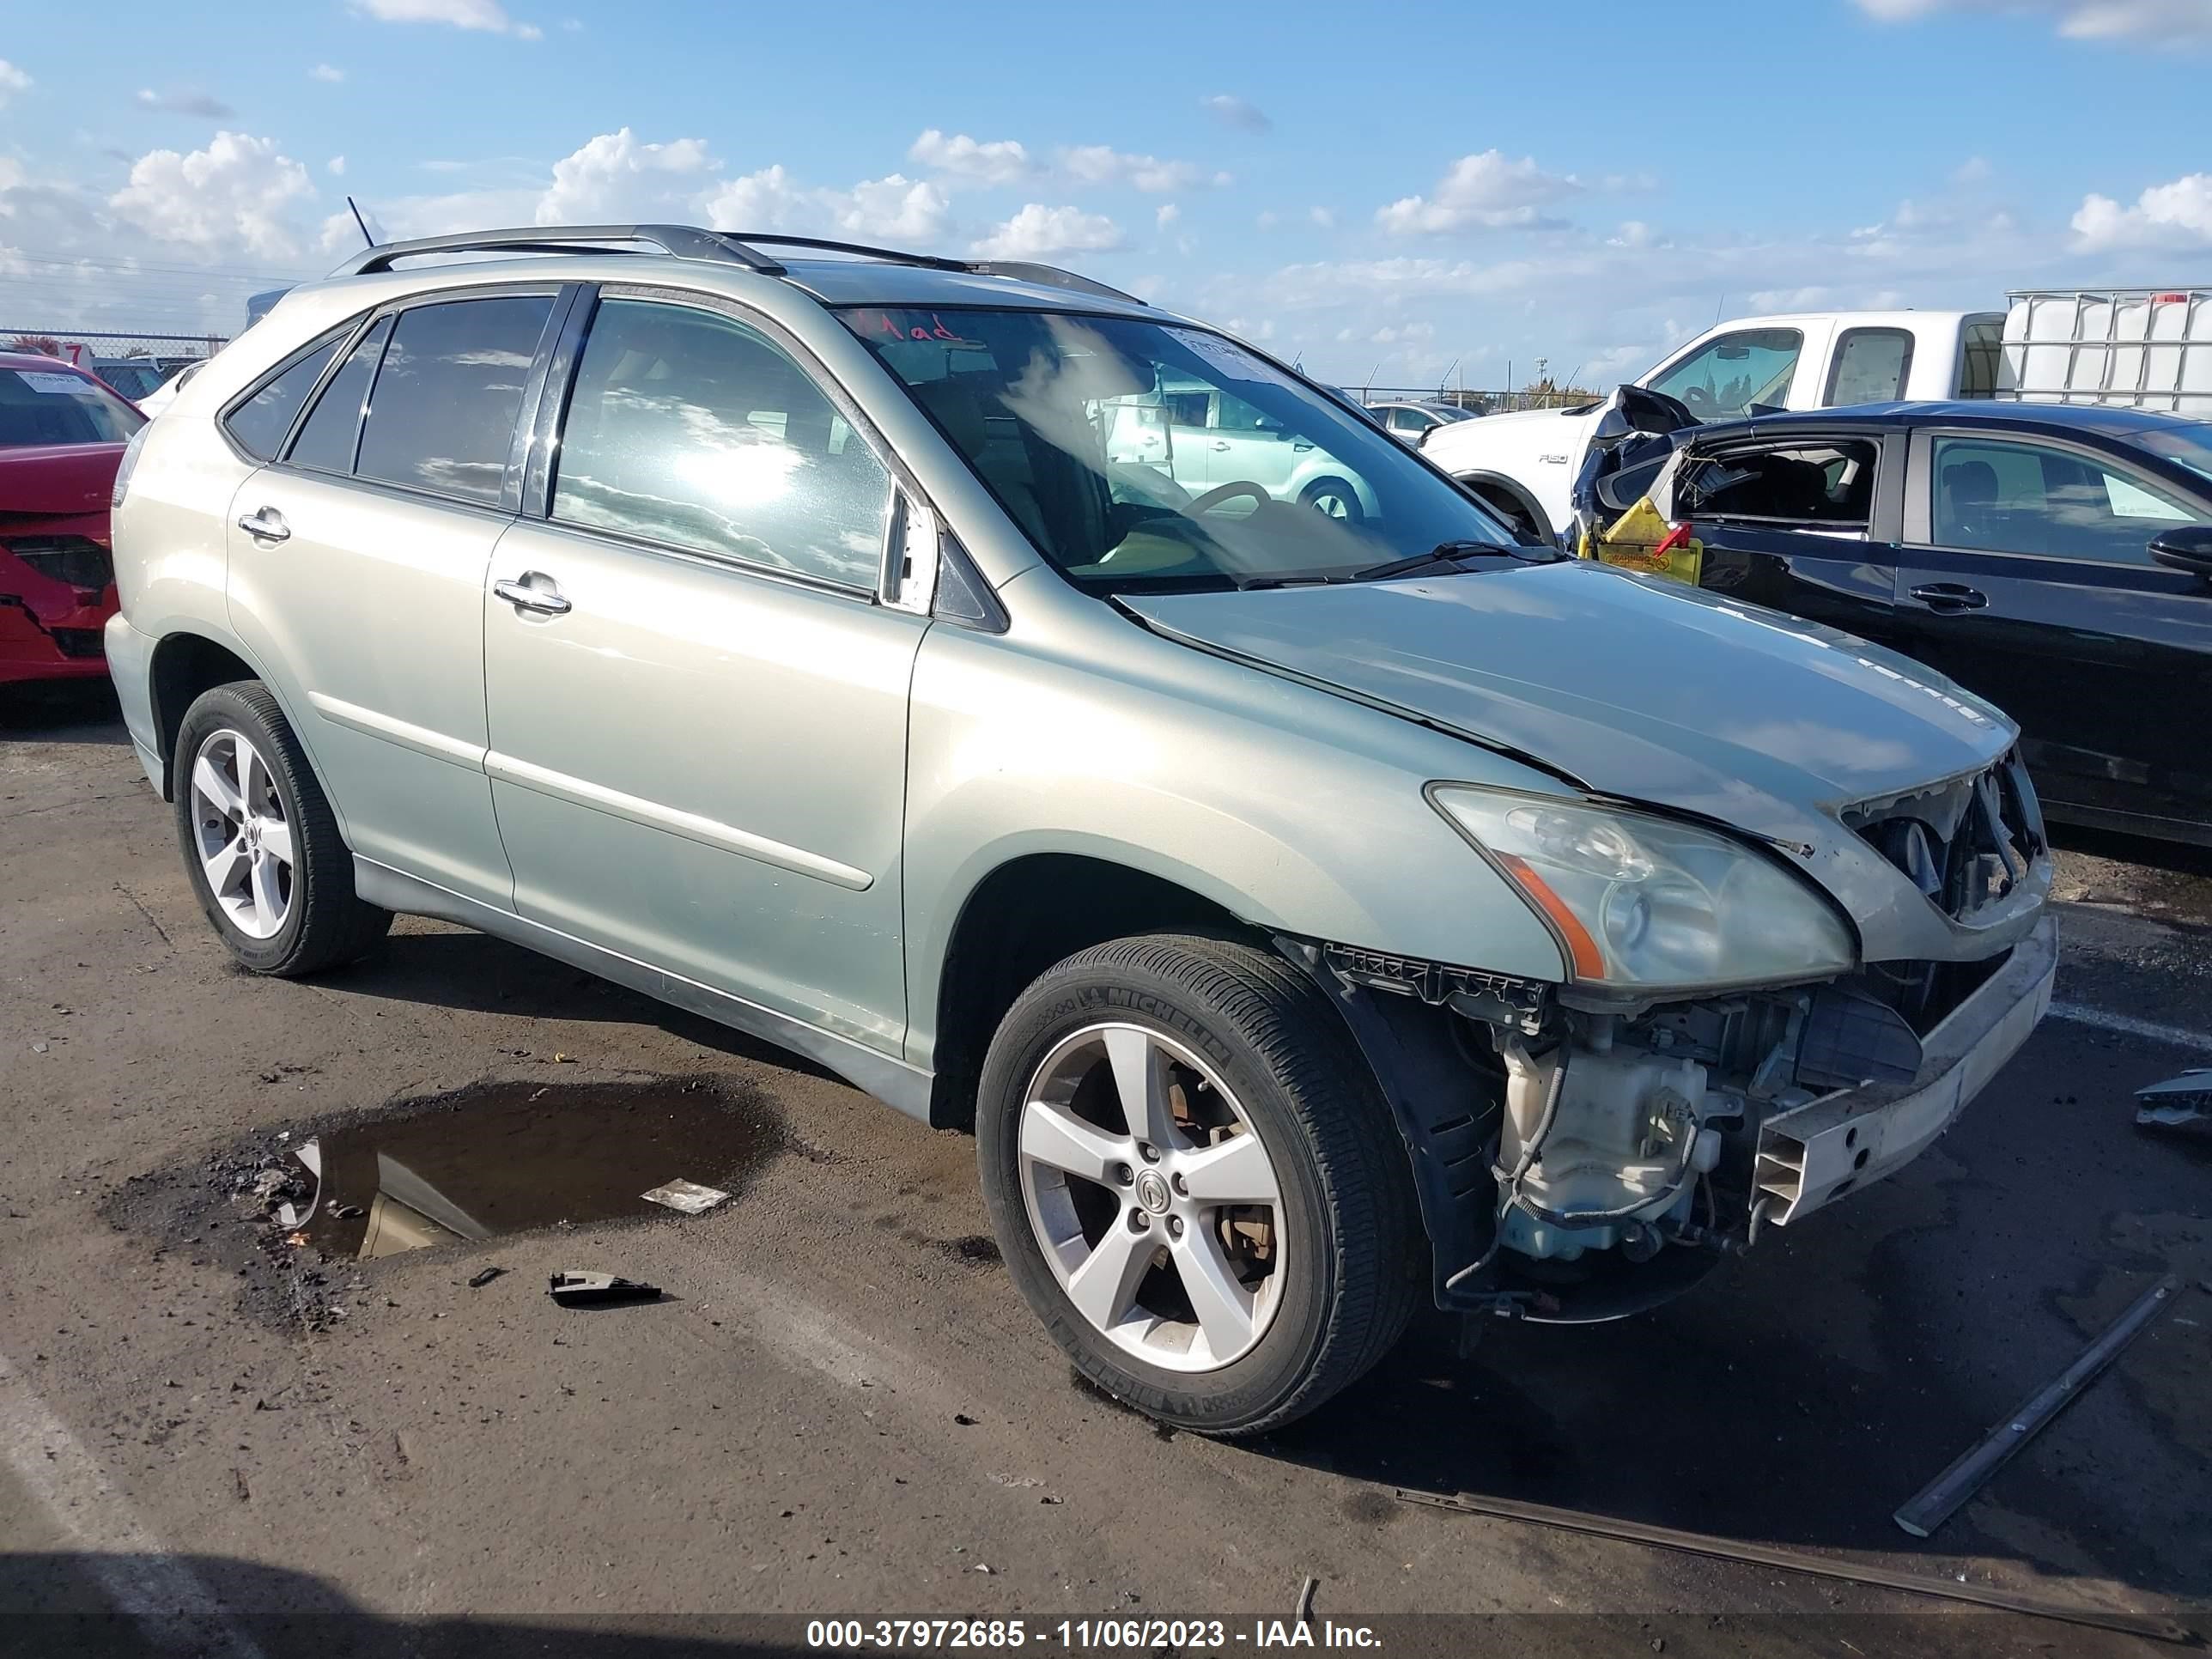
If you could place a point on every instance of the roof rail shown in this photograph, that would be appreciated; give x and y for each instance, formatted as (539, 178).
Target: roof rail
(682, 241)
(690, 242)
(933, 261)
(1020, 271)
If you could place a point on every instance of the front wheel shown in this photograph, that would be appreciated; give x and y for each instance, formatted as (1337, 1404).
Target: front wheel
(1195, 1181)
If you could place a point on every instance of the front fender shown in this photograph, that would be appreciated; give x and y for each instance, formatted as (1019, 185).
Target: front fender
(1294, 810)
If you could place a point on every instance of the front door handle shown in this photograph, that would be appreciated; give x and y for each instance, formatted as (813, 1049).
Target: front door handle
(266, 526)
(533, 591)
(1301, 445)
(1950, 596)
(1221, 443)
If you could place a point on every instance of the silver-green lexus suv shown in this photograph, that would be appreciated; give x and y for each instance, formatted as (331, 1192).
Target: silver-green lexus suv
(1310, 910)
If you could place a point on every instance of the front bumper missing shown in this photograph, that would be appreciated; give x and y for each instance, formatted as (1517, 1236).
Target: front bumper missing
(1819, 1152)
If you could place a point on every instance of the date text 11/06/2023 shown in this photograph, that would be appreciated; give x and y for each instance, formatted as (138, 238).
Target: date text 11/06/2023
(1083, 1635)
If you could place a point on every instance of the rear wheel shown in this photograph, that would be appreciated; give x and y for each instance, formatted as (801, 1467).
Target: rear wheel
(261, 845)
(1195, 1181)
(1335, 497)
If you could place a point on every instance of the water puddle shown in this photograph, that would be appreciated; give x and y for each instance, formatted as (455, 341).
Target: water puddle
(507, 1157)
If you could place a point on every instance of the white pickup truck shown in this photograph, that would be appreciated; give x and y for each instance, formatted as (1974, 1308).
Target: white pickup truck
(2145, 348)
(1524, 464)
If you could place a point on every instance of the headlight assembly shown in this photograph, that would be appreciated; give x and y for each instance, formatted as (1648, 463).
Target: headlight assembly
(1647, 903)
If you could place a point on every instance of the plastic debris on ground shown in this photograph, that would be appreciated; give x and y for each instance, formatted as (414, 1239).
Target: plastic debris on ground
(2180, 1103)
(688, 1196)
(582, 1289)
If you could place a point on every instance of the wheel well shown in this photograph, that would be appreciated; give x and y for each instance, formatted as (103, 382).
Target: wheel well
(1024, 917)
(1518, 508)
(185, 665)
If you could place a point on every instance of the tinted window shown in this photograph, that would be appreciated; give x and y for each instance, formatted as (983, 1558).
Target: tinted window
(1727, 376)
(1980, 359)
(688, 428)
(2023, 498)
(1830, 486)
(258, 424)
(1408, 420)
(441, 415)
(1871, 364)
(332, 430)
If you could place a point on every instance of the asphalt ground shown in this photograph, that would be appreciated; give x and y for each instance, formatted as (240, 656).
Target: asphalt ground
(217, 1441)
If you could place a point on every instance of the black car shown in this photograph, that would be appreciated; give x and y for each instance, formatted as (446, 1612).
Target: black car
(2056, 559)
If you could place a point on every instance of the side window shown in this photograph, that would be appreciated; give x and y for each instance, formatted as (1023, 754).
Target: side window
(258, 424)
(1826, 486)
(441, 414)
(1724, 378)
(1981, 356)
(1238, 415)
(1185, 408)
(2024, 498)
(688, 428)
(332, 430)
(1871, 365)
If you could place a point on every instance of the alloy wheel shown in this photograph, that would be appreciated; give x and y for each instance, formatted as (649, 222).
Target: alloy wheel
(243, 839)
(1152, 1198)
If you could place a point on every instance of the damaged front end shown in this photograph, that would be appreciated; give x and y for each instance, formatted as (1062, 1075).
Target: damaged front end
(1586, 1150)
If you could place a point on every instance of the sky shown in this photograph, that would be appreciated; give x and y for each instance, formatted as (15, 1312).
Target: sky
(1410, 194)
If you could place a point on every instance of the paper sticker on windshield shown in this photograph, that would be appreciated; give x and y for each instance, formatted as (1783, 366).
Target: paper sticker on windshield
(42, 380)
(1227, 357)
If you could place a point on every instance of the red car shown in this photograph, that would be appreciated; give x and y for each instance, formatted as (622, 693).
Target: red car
(62, 434)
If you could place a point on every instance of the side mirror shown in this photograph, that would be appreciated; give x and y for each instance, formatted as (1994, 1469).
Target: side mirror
(2185, 547)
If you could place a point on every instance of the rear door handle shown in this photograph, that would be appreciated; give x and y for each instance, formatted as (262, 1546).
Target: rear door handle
(266, 526)
(1221, 443)
(1950, 596)
(534, 590)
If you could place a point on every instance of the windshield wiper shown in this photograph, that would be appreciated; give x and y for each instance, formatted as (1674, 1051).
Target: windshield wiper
(1444, 555)
(1247, 584)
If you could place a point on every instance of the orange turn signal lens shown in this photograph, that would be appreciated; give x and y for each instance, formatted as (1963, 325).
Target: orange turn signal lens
(1588, 960)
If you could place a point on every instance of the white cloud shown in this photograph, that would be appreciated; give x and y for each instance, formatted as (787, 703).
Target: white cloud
(184, 102)
(485, 16)
(12, 81)
(1102, 164)
(616, 178)
(1321, 218)
(1268, 219)
(1238, 113)
(999, 161)
(1165, 215)
(2175, 215)
(891, 209)
(1974, 170)
(236, 193)
(1485, 191)
(336, 167)
(2158, 22)
(330, 72)
(1039, 230)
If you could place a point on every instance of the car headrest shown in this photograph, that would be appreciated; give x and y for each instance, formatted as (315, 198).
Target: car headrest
(954, 405)
(1970, 484)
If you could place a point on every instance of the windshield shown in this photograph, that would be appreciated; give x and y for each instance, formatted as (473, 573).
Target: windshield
(1142, 454)
(40, 406)
(2188, 449)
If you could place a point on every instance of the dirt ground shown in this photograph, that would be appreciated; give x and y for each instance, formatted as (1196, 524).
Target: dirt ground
(211, 1439)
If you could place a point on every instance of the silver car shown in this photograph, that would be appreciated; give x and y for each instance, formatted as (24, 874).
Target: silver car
(1309, 913)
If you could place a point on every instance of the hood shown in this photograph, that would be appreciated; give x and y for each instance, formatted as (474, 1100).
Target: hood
(1641, 691)
(57, 481)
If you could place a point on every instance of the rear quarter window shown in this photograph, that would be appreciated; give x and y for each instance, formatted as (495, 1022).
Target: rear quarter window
(443, 414)
(259, 424)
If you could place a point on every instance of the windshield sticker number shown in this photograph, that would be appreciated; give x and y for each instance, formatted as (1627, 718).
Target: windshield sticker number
(1227, 357)
(45, 380)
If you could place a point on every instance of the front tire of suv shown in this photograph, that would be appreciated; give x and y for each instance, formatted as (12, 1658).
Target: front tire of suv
(1195, 1181)
(261, 845)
